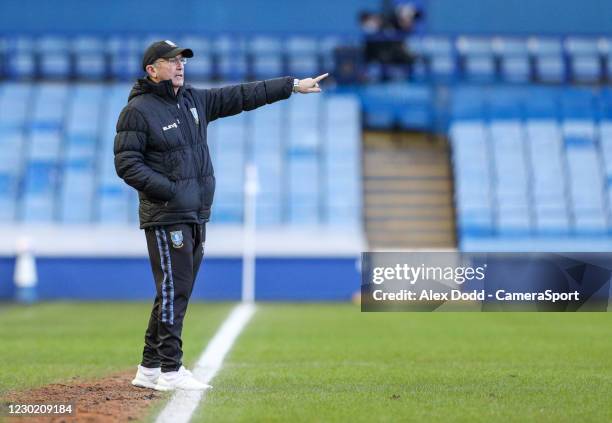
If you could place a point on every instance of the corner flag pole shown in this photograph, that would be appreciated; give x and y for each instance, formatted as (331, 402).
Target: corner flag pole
(248, 256)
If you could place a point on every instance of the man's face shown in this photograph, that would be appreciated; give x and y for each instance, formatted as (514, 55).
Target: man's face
(172, 69)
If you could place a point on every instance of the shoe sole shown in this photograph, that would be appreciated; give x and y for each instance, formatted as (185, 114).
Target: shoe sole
(141, 384)
(163, 388)
(171, 388)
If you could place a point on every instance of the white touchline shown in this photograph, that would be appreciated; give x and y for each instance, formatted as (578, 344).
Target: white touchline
(183, 403)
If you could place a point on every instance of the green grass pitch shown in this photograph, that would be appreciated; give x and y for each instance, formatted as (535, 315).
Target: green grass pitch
(331, 363)
(53, 342)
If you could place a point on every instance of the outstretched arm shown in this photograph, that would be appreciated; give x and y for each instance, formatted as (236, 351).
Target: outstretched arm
(233, 99)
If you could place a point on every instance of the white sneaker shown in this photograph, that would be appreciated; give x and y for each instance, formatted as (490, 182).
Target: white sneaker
(181, 379)
(146, 377)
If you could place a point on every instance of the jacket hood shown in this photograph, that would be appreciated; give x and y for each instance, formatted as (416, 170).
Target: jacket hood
(162, 89)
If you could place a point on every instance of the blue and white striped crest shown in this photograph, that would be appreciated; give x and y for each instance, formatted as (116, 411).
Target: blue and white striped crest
(194, 112)
(177, 238)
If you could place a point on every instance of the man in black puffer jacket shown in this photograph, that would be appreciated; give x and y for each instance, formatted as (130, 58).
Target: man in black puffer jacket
(161, 150)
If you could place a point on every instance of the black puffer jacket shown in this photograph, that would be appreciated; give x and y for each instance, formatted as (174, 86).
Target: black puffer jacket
(161, 148)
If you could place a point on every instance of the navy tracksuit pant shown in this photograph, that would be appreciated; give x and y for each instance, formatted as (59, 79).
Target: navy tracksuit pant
(175, 252)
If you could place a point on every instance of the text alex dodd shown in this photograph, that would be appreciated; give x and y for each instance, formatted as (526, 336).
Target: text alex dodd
(455, 294)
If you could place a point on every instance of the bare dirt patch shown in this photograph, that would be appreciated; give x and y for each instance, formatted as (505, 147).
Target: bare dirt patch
(111, 399)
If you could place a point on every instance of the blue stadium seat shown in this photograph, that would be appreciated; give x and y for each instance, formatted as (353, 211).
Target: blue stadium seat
(7, 184)
(303, 196)
(478, 62)
(472, 192)
(89, 58)
(468, 104)
(510, 175)
(41, 176)
(475, 222)
(80, 148)
(302, 56)
(84, 114)
(10, 172)
(39, 196)
(579, 133)
(584, 58)
(302, 111)
(552, 221)
(577, 103)
(77, 192)
(604, 104)
(45, 145)
(267, 129)
(513, 221)
(416, 112)
(38, 208)
(14, 103)
(473, 187)
(11, 145)
(547, 157)
(21, 58)
(542, 105)
(341, 145)
(117, 96)
(342, 187)
(409, 106)
(8, 191)
(232, 58)
(548, 58)
(125, 58)
(303, 159)
(506, 104)
(586, 176)
(55, 57)
(379, 114)
(268, 149)
(513, 59)
(49, 106)
(441, 57)
(605, 134)
(267, 57)
(114, 199)
(591, 223)
(341, 141)
(229, 167)
(548, 175)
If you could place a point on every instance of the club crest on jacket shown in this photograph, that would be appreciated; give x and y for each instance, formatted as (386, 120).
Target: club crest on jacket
(177, 238)
(194, 112)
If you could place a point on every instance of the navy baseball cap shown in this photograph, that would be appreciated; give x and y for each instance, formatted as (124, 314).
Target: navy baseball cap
(163, 50)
